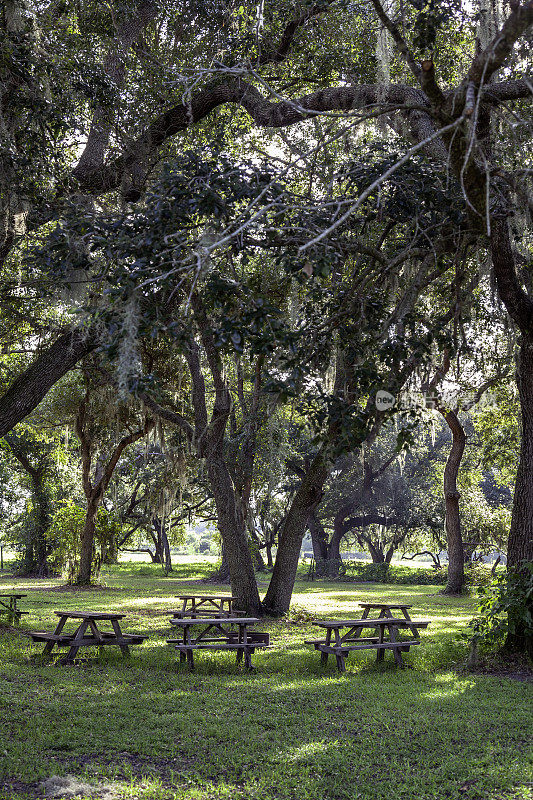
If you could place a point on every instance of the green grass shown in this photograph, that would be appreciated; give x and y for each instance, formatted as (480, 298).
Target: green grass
(291, 730)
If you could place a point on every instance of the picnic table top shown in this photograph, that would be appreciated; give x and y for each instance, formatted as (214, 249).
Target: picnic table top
(16, 596)
(213, 611)
(205, 597)
(367, 623)
(89, 614)
(184, 622)
(384, 605)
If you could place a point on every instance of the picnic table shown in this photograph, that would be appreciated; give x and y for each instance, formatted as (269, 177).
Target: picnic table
(9, 606)
(346, 635)
(197, 605)
(233, 635)
(81, 637)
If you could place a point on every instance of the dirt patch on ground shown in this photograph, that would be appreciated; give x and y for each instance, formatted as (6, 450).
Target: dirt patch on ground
(70, 786)
(506, 665)
(124, 766)
(525, 676)
(15, 789)
(84, 778)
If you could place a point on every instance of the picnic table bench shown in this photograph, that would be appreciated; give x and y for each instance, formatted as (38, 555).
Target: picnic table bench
(82, 638)
(9, 606)
(242, 641)
(197, 605)
(351, 639)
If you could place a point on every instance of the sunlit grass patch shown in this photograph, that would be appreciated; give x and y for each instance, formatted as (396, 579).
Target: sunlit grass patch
(292, 730)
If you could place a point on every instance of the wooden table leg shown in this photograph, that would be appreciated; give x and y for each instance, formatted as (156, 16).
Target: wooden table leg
(247, 650)
(380, 654)
(13, 614)
(396, 651)
(341, 666)
(190, 655)
(59, 627)
(240, 641)
(323, 655)
(125, 650)
(413, 628)
(76, 642)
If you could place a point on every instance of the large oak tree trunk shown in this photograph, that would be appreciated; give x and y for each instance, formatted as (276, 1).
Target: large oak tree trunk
(334, 549)
(520, 309)
(233, 533)
(456, 559)
(520, 549)
(307, 497)
(87, 542)
(521, 535)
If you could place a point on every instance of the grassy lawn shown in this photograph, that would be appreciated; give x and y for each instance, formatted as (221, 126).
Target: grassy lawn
(147, 728)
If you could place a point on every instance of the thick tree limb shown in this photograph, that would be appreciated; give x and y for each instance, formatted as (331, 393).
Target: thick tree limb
(494, 55)
(28, 389)
(518, 304)
(114, 67)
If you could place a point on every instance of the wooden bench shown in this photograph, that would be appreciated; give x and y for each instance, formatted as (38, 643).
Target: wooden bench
(343, 644)
(11, 608)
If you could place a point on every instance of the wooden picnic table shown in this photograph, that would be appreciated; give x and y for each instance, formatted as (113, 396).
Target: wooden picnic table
(351, 639)
(81, 638)
(233, 635)
(11, 607)
(197, 605)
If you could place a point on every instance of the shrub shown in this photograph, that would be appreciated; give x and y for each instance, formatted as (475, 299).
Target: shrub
(64, 536)
(505, 608)
(381, 573)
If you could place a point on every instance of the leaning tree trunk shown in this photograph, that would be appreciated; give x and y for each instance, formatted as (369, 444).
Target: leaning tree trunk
(307, 497)
(456, 560)
(334, 550)
(233, 533)
(166, 549)
(319, 541)
(158, 555)
(87, 543)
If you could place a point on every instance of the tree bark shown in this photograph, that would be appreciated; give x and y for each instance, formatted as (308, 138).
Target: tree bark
(521, 534)
(520, 308)
(319, 541)
(334, 549)
(36, 548)
(166, 549)
(233, 533)
(456, 559)
(158, 555)
(27, 391)
(85, 569)
(306, 499)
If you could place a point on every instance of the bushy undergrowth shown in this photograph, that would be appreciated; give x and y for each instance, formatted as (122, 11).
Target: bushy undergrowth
(505, 608)
(361, 571)
(367, 572)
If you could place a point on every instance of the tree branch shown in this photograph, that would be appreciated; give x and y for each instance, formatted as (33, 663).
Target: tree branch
(498, 50)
